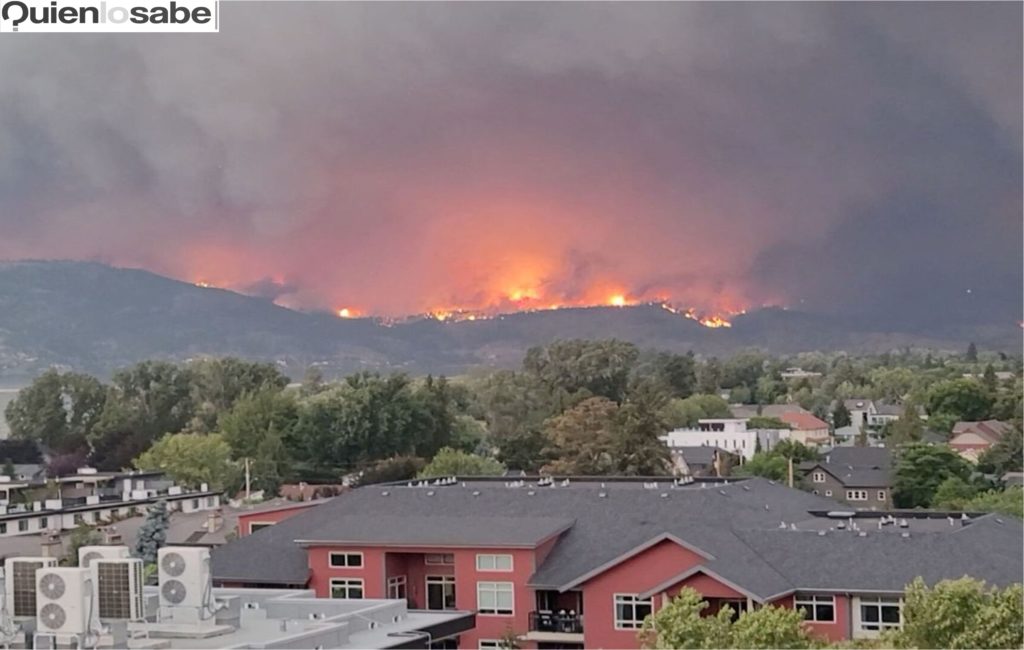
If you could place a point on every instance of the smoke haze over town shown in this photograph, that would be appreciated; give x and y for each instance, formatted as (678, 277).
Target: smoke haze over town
(393, 158)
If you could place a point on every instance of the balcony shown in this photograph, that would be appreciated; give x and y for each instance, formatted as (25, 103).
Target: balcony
(555, 627)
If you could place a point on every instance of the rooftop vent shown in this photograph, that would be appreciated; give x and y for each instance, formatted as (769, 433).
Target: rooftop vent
(530, 493)
(904, 523)
(602, 494)
(904, 535)
(476, 493)
(384, 493)
(862, 534)
(430, 493)
(746, 488)
(821, 533)
(664, 495)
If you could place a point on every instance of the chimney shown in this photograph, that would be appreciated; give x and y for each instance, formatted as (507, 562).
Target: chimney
(214, 521)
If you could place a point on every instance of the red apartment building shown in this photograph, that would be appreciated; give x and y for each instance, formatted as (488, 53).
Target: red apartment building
(581, 563)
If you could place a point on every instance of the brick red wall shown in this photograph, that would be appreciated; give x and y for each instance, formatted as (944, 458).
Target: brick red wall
(275, 516)
(635, 575)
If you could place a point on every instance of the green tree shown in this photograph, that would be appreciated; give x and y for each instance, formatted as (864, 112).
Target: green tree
(840, 415)
(676, 372)
(761, 422)
(989, 379)
(1007, 455)
(709, 377)
(767, 465)
(601, 368)
(57, 410)
(962, 613)
(582, 440)
(399, 468)
(685, 413)
(681, 625)
(638, 450)
(256, 416)
(516, 406)
(1009, 501)
(192, 459)
(972, 353)
(82, 535)
(9, 469)
(909, 428)
(920, 469)
(451, 462)
(217, 384)
(153, 533)
(144, 402)
(952, 493)
(270, 465)
(964, 399)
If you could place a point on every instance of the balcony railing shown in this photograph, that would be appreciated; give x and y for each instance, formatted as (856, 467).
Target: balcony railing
(556, 622)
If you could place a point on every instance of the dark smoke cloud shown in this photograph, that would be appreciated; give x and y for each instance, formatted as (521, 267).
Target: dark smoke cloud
(861, 158)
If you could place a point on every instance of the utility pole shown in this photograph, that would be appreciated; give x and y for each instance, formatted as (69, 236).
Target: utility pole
(790, 459)
(249, 490)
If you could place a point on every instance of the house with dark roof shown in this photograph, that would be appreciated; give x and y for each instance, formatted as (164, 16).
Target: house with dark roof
(578, 563)
(859, 476)
(970, 439)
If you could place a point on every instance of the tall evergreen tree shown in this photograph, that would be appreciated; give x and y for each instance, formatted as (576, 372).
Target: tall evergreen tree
(153, 533)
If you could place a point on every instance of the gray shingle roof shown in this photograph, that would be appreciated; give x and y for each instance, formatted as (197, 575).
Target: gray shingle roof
(860, 457)
(698, 455)
(450, 530)
(735, 525)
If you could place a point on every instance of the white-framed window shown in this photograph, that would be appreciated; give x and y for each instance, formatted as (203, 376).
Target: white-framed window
(347, 588)
(881, 495)
(495, 598)
(339, 559)
(630, 611)
(491, 644)
(439, 558)
(440, 592)
(876, 614)
(397, 587)
(818, 477)
(257, 525)
(856, 495)
(819, 609)
(828, 493)
(22, 525)
(492, 562)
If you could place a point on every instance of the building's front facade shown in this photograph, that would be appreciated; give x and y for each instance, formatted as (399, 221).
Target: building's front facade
(730, 434)
(581, 564)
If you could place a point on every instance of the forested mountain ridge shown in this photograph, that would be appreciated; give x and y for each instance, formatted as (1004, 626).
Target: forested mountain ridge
(96, 318)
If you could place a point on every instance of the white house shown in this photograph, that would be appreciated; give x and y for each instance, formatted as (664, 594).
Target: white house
(730, 434)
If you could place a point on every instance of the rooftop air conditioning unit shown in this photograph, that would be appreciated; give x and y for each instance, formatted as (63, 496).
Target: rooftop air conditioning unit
(118, 586)
(20, 584)
(185, 579)
(89, 554)
(64, 602)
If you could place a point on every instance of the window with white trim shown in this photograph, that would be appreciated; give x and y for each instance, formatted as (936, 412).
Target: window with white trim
(257, 525)
(881, 495)
(342, 560)
(492, 562)
(347, 588)
(877, 614)
(818, 609)
(491, 644)
(397, 587)
(630, 611)
(439, 558)
(818, 477)
(856, 495)
(495, 598)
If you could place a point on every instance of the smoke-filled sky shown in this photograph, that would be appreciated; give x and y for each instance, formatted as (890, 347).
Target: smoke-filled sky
(392, 158)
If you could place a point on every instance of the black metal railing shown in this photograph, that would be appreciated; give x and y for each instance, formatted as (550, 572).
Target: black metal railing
(556, 622)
